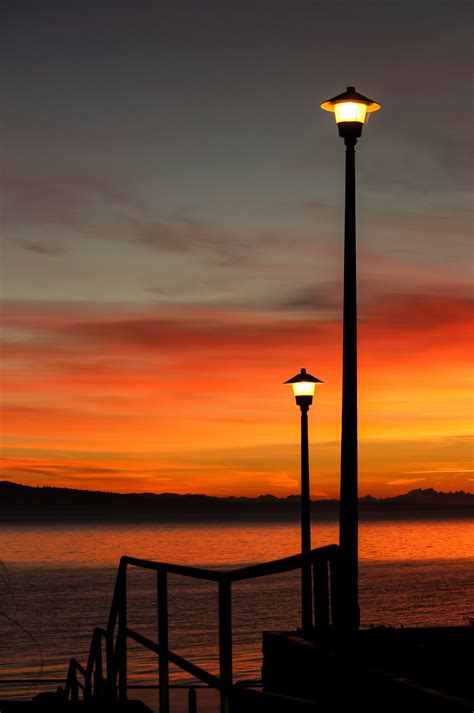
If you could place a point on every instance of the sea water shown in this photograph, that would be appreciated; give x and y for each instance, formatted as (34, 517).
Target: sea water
(56, 585)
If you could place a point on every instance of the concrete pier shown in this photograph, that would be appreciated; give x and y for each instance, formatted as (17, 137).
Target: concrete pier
(387, 669)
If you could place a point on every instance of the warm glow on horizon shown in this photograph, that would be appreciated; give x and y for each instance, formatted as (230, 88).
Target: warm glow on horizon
(94, 400)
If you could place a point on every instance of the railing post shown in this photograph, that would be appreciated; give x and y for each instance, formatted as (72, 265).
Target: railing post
(225, 639)
(88, 686)
(192, 703)
(71, 690)
(110, 659)
(163, 663)
(321, 593)
(122, 633)
(306, 605)
(335, 580)
(98, 672)
(74, 685)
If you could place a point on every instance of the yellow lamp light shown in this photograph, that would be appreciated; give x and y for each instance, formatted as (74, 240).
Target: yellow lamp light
(304, 388)
(350, 110)
(304, 385)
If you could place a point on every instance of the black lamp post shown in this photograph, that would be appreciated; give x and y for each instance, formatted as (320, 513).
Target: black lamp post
(350, 109)
(303, 388)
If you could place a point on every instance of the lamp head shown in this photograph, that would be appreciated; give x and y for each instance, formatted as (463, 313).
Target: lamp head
(350, 110)
(303, 385)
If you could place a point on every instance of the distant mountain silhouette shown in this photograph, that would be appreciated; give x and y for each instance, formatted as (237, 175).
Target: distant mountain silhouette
(430, 496)
(22, 502)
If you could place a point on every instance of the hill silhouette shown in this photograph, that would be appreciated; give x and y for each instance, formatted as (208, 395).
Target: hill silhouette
(45, 503)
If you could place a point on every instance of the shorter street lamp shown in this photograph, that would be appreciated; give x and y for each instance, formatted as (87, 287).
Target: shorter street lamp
(303, 388)
(350, 111)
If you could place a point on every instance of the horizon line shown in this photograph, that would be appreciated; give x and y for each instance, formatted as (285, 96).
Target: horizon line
(236, 497)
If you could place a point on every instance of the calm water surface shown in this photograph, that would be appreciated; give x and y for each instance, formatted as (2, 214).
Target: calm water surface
(233, 544)
(56, 584)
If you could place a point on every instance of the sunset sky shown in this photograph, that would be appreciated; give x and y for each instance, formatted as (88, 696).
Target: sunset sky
(172, 214)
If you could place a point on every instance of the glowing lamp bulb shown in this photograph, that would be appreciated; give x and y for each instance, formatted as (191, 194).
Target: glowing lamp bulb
(350, 111)
(304, 388)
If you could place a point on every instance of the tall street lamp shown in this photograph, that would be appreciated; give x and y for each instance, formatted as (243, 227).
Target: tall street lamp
(350, 109)
(303, 388)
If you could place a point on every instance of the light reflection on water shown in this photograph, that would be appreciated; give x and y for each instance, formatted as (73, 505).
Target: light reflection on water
(60, 581)
(229, 544)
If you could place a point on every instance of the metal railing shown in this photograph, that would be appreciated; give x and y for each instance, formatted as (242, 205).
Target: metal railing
(323, 562)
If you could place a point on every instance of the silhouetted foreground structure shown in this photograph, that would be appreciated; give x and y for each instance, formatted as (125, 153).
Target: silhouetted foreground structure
(383, 669)
(95, 684)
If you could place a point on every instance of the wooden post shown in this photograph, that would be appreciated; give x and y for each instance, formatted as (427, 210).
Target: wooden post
(88, 685)
(336, 598)
(122, 634)
(74, 684)
(192, 703)
(111, 673)
(321, 592)
(163, 643)
(98, 672)
(225, 639)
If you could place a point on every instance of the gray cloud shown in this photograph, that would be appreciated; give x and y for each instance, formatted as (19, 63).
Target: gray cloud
(35, 207)
(322, 299)
(41, 247)
(41, 214)
(186, 235)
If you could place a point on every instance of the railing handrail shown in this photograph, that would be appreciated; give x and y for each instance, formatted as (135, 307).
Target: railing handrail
(279, 566)
(322, 559)
(234, 574)
(213, 575)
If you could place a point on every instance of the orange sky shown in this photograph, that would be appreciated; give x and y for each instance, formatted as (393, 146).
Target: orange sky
(193, 401)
